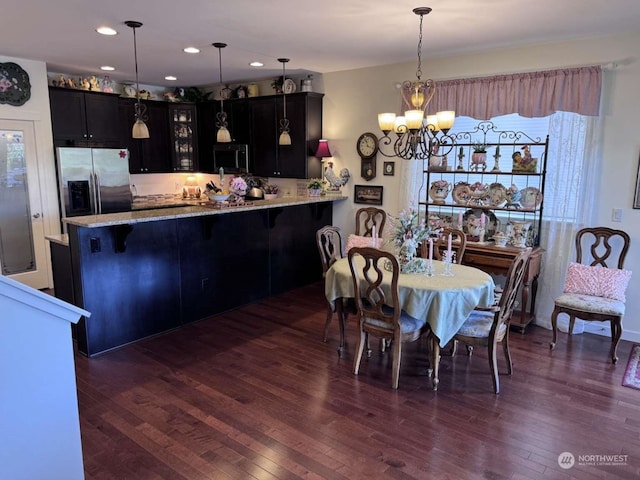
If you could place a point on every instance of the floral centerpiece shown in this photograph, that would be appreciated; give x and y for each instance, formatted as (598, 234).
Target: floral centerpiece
(408, 233)
(238, 186)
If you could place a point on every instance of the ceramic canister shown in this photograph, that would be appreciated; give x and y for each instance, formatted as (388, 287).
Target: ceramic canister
(253, 90)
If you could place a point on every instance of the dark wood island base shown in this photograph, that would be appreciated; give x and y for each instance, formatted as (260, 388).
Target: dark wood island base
(154, 271)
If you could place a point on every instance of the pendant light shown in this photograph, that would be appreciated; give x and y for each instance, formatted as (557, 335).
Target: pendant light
(140, 129)
(285, 138)
(223, 135)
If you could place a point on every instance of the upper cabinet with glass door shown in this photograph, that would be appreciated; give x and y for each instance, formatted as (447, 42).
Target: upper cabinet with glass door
(184, 139)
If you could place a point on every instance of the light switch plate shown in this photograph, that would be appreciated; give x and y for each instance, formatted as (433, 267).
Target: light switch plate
(616, 215)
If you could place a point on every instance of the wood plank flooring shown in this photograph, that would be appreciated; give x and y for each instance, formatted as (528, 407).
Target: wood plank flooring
(255, 394)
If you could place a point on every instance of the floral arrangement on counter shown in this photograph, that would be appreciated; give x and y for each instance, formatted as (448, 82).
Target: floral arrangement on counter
(315, 184)
(238, 186)
(270, 189)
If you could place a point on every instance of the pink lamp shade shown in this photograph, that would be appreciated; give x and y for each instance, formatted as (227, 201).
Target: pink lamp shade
(323, 149)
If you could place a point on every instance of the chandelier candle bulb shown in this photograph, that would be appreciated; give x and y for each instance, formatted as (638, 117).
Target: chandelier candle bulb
(449, 245)
(414, 119)
(430, 248)
(386, 121)
(460, 220)
(432, 121)
(483, 218)
(445, 120)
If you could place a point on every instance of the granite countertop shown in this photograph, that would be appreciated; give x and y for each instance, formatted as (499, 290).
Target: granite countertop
(62, 239)
(196, 208)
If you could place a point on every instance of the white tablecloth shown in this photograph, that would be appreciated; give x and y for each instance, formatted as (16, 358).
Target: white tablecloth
(445, 302)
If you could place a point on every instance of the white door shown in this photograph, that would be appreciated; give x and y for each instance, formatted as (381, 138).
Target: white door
(22, 243)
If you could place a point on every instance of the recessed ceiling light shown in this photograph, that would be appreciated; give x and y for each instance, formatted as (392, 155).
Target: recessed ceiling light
(170, 77)
(192, 50)
(107, 68)
(257, 64)
(106, 31)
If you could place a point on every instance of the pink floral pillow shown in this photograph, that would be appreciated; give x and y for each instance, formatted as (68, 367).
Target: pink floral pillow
(598, 281)
(360, 241)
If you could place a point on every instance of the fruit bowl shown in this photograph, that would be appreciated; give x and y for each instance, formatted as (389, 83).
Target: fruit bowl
(218, 197)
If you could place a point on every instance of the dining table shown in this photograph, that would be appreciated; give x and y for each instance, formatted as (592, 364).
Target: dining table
(445, 301)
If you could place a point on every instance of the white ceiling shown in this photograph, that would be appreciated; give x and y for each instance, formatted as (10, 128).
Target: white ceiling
(317, 35)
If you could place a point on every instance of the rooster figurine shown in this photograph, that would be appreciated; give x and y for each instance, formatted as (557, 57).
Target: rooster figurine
(336, 181)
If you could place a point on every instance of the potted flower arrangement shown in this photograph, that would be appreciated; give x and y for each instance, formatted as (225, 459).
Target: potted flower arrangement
(479, 156)
(238, 186)
(315, 187)
(270, 191)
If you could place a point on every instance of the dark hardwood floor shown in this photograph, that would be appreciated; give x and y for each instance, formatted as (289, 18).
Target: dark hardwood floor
(256, 394)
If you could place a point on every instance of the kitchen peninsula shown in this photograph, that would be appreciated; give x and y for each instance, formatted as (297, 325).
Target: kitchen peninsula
(144, 272)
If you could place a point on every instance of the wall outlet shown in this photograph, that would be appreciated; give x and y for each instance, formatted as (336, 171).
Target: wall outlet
(616, 215)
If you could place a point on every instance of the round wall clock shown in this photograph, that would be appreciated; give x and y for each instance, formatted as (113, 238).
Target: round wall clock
(15, 88)
(367, 145)
(367, 148)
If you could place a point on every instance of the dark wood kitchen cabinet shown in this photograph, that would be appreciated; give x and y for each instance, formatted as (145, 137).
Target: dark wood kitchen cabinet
(304, 112)
(183, 127)
(84, 119)
(148, 155)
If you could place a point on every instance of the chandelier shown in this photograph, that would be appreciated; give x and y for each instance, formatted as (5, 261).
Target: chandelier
(417, 136)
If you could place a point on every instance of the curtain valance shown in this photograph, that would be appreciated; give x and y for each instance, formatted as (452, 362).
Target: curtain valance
(534, 94)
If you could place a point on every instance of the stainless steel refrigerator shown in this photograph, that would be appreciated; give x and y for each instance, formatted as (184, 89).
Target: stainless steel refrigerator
(93, 180)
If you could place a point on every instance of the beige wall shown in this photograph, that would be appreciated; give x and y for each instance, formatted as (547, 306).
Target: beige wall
(36, 109)
(353, 99)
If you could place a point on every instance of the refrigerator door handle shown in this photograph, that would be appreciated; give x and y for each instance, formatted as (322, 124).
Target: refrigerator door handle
(93, 188)
(98, 193)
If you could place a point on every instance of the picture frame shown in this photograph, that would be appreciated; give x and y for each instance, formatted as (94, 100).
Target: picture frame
(636, 197)
(367, 194)
(389, 168)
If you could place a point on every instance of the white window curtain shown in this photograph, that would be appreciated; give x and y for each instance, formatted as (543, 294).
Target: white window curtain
(575, 145)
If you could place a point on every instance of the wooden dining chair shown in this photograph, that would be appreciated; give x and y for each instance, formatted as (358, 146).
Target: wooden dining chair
(367, 217)
(331, 249)
(378, 314)
(489, 326)
(593, 291)
(440, 245)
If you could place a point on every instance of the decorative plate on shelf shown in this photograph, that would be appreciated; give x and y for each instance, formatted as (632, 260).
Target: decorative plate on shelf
(531, 198)
(289, 86)
(471, 223)
(440, 221)
(461, 193)
(497, 194)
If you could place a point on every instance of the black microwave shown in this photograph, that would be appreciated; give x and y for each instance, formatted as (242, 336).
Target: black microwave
(232, 157)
